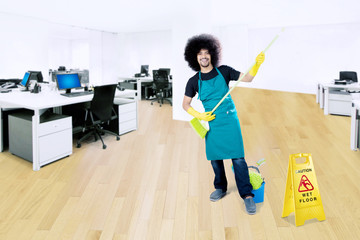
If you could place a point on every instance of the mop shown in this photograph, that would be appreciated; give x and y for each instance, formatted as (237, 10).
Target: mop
(202, 127)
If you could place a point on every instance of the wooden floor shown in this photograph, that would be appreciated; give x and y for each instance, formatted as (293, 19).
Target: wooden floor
(155, 182)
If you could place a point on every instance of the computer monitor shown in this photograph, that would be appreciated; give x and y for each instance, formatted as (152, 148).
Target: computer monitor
(36, 75)
(26, 81)
(68, 81)
(145, 70)
(347, 75)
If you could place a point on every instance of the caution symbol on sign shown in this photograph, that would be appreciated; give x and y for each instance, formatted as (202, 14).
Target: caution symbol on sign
(305, 185)
(306, 201)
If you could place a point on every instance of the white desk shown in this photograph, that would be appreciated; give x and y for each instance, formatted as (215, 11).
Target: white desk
(139, 81)
(324, 92)
(355, 125)
(39, 103)
(320, 95)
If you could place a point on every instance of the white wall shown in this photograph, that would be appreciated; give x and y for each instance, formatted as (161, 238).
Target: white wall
(305, 55)
(22, 46)
(300, 58)
(321, 39)
(30, 44)
(309, 51)
(110, 58)
(145, 48)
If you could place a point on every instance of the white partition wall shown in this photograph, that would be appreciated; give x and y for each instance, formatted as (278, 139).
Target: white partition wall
(187, 22)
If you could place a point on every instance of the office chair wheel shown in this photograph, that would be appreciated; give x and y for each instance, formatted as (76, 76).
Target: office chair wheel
(78, 145)
(104, 146)
(117, 138)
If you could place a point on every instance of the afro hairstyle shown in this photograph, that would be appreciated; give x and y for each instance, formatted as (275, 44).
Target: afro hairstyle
(198, 42)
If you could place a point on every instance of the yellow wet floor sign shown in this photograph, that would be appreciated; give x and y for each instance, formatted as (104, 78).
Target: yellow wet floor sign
(302, 194)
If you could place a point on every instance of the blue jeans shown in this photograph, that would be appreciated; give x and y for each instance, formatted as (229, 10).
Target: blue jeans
(241, 176)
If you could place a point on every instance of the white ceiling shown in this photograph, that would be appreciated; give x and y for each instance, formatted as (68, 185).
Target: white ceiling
(152, 15)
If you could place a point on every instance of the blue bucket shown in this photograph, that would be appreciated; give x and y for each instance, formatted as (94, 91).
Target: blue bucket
(259, 193)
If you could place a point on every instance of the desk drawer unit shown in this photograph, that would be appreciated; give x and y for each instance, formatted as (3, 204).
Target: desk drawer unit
(129, 85)
(54, 126)
(127, 111)
(54, 136)
(340, 103)
(55, 139)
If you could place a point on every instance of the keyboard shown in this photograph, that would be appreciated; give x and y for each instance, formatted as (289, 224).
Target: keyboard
(343, 82)
(4, 90)
(76, 94)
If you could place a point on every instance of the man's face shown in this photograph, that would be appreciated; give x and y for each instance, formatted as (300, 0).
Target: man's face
(204, 58)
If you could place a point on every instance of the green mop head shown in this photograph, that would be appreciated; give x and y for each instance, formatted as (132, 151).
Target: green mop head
(199, 127)
(255, 179)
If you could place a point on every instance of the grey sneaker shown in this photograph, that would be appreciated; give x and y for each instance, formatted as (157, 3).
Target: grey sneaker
(250, 206)
(217, 195)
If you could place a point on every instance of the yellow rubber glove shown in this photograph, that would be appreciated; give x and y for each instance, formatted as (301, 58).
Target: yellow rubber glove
(259, 60)
(206, 116)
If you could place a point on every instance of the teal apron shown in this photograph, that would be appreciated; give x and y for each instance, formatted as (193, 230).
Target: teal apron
(224, 139)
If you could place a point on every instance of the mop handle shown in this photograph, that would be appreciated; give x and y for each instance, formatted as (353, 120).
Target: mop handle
(239, 80)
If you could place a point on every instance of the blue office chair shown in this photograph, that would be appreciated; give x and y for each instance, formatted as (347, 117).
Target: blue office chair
(100, 112)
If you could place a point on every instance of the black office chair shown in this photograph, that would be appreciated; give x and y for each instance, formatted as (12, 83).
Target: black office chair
(101, 111)
(161, 86)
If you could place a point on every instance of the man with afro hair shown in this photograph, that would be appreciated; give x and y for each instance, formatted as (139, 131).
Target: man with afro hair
(224, 139)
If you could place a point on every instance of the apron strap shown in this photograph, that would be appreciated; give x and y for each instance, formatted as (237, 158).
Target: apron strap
(218, 71)
(199, 87)
(199, 82)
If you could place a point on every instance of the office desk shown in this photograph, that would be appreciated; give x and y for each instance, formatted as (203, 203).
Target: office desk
(320, 95)
(39, 103)
(139, 81)
(355, 125)
(325, 92)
